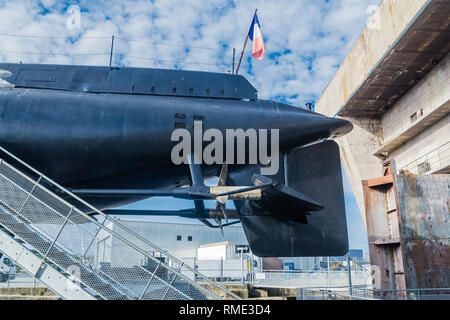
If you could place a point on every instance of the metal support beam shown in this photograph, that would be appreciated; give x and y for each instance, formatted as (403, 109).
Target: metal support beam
(350, 288)
(57, 235)
(149, 281)
(51, 277)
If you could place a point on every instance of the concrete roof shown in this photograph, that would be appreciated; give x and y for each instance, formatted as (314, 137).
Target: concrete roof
(387, 61)
(416, 52)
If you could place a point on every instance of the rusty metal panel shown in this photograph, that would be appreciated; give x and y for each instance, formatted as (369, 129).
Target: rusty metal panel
(383, 233)
(376, 217)
(423, 203)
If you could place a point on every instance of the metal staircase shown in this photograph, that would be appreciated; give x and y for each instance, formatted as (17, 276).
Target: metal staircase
(81, 256)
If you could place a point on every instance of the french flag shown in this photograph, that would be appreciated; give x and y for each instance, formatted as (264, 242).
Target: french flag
(255, 35)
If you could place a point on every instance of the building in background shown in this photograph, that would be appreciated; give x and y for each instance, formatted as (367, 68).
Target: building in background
(183, 240)
(394, 87)
(193, 242)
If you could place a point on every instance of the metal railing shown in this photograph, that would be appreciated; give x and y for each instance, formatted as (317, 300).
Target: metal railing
(326, 294)
(374, 294)
(431, 162)
(313, 279)
(49, 219)
(249, 270)
(404, 294)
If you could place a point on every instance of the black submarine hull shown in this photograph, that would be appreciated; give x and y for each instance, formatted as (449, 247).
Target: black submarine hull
(122, 140)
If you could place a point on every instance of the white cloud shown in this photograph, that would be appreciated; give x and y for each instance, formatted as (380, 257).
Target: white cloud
(310, 38)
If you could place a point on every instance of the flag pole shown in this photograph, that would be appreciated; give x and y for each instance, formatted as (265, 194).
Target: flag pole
(242, 53)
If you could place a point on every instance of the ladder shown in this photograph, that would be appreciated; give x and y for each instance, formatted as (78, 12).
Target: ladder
(44, 229)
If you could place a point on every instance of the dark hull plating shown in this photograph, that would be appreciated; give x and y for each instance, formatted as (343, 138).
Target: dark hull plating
(122, 140)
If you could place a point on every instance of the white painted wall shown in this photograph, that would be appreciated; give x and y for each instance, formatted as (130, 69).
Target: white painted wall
(422, 144)
(428, 95)
(212, 252)
(164, 235)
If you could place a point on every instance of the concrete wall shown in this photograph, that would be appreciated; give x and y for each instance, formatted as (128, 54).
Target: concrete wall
(431, 93)
(357, 149)
(392, 18)
(423, 144)
(422, 204)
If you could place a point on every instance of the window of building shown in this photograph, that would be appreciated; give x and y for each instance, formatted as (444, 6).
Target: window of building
(178, 238)
(189, 238)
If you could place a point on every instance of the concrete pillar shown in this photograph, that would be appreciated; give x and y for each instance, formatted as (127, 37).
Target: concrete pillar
(357, 150)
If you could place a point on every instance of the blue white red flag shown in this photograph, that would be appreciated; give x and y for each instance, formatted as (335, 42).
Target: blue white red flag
(255, 35)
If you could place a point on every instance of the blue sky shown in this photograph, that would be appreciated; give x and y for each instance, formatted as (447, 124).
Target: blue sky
(305, 43)
(305, 40)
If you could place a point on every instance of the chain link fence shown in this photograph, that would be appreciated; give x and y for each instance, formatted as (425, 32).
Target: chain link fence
(249, 271)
